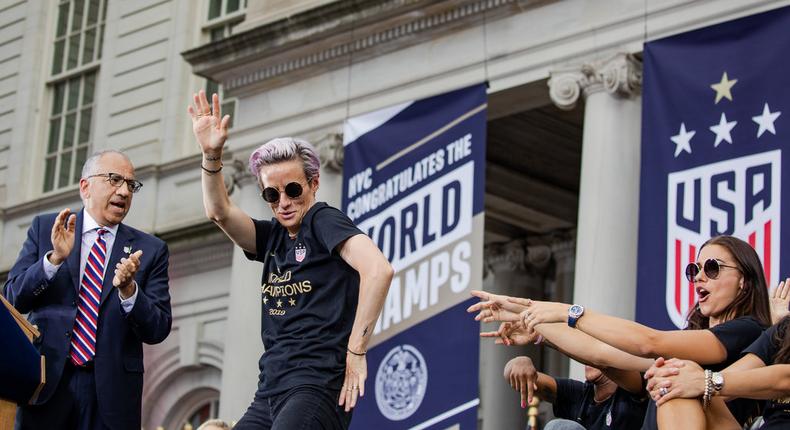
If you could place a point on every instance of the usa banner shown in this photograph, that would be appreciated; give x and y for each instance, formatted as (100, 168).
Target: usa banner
(414, 182)
(715, 141)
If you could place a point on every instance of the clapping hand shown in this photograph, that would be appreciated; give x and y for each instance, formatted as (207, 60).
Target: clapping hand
(62, 236)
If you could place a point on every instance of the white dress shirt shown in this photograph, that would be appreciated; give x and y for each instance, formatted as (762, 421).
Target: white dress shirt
(90, 230)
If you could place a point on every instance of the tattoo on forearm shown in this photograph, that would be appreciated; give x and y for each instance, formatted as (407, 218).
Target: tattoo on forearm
(365, 332)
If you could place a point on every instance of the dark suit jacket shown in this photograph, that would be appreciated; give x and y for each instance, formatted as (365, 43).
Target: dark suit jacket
(52, 306)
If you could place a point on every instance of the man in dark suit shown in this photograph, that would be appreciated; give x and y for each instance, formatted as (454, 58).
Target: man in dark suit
(97, 289)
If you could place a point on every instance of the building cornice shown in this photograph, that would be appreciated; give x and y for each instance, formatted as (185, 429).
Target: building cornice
(620, 75)
(329, 37)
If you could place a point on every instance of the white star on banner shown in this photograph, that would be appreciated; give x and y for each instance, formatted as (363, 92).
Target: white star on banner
(683, 140)
(766, 121)
(723, 130)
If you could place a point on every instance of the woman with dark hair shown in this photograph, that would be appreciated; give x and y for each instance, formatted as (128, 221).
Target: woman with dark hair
(323, 284)
(762, 373)
(732, 311)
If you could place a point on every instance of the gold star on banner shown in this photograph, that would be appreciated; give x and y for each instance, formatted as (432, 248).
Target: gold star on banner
(265, 299)
(292, 302)
(279, 303)
(723, 88)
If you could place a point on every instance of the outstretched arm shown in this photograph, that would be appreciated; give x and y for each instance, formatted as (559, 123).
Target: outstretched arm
(701, 346)
(211, 131)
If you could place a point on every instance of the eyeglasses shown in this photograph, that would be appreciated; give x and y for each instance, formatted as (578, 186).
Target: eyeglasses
(712, 267)
(272, 195)
(117, 180)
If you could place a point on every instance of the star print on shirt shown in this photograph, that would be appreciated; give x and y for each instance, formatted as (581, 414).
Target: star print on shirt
(279, 303)
(265, 299)
(766, 121)
(723, 88)
(292, 302)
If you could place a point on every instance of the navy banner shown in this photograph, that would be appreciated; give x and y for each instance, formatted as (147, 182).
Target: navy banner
(413, 180)
(714, 143)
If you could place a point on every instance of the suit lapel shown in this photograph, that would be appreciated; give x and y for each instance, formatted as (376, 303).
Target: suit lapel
(122, 239)
(73, 260)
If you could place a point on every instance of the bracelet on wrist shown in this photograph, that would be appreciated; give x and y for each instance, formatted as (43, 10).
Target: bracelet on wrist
(358, 354)
(209, 171)
(708, 389)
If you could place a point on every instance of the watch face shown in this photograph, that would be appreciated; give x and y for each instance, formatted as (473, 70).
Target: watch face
(576, 310)
(717, 379)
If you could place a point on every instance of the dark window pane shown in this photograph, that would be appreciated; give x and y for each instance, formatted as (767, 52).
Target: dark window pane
(54, 134)
(93, 11)
(76, 18)
(65, 170)
(74, 51)
(85, 126)
(57, 57)
(217, 33)
(74, 93)
(63, 19)
(229, 108)
(233, 6)
(49, 174)
(82, 154)
(88, 47)
(57, 98)
(214, 8)
(211, 88)
(104, 11)
(68, 132)
(88, 88)
(101, 41)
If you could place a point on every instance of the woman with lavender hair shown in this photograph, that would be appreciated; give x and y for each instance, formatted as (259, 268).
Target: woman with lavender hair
(323, 283)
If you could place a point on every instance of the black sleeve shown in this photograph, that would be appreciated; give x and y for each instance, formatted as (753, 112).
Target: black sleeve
(735, 335)
(262, 231)
(331, 227)
(570, 395)
(764, 347)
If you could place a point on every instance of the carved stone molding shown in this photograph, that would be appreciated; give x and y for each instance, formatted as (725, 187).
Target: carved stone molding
(516, 255)
(620, 75)
(238, 175)
(328, 37)
(330, 151)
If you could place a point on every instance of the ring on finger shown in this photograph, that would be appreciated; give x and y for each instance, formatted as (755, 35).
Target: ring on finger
(663, 391)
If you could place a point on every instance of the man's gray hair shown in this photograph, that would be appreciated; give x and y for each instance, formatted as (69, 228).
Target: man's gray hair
(90, 164)
(216, 423)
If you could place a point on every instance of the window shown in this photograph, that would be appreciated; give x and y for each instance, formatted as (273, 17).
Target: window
(79, 33)
(202, 414)
(223, 16)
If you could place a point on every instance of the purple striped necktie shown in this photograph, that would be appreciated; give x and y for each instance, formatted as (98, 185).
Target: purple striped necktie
(83, 339)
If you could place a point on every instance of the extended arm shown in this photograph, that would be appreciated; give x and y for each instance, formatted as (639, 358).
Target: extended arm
(211, 131)
(375, 275)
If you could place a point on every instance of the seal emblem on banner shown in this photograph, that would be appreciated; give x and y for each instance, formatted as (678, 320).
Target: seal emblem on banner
(401, 381)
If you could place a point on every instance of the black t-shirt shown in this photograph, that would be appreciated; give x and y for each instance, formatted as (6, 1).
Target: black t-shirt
(308, 298)
(777, 411)
(576, 401)
(735, 335)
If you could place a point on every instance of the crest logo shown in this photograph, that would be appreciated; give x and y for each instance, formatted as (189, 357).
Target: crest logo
(401, 382)
(739, 197)
(300, 252)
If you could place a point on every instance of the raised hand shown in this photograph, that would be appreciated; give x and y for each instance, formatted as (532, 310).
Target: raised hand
(780, 299)
(210, 128)
(354, 383)
(511, 334)
(537, 312)
(494, 307)
(124, 274)
(62, 236)
(520, 372)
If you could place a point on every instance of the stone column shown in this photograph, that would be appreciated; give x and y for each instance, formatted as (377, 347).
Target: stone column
(554, 362)
(243, 346)
(516, 270)
(606, 244)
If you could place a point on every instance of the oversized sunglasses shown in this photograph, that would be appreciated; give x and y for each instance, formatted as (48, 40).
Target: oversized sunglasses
(272, 195)
(117, 180)
(711, 267)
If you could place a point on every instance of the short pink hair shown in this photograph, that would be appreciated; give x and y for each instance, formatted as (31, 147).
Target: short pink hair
(286, 149)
